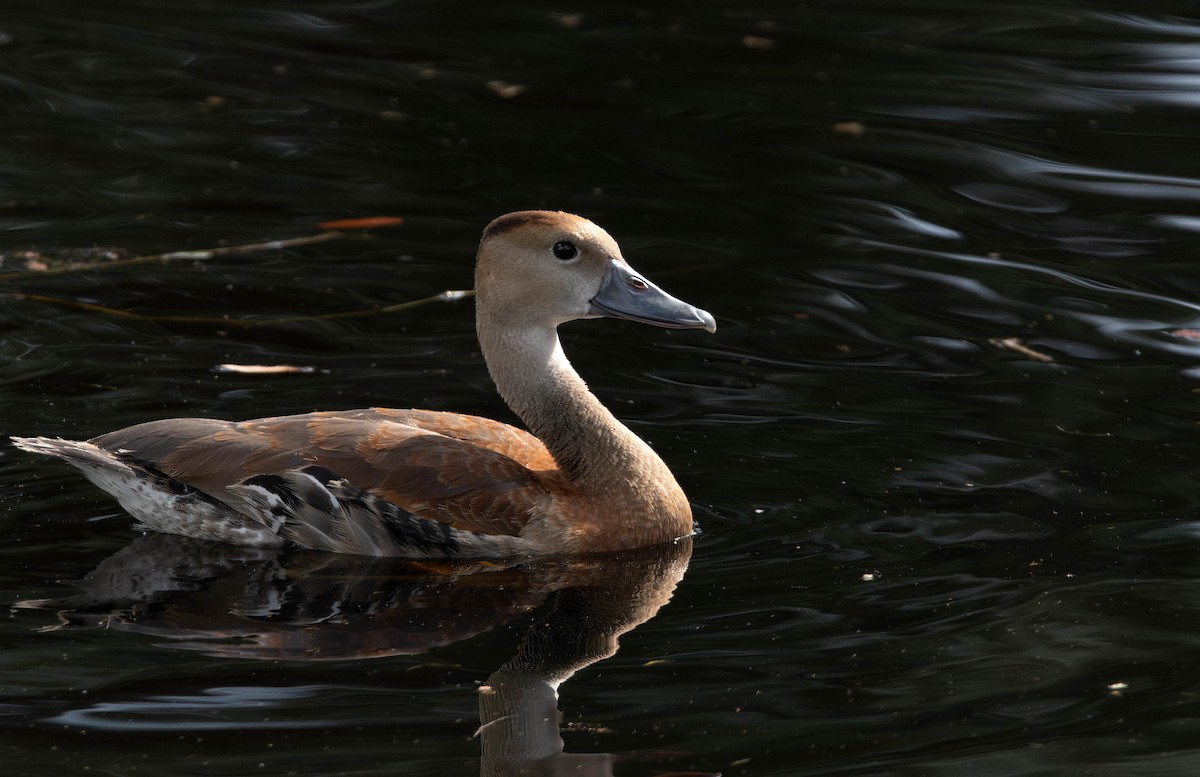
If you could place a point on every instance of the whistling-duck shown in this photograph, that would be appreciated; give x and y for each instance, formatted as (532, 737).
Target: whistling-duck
(423, 483)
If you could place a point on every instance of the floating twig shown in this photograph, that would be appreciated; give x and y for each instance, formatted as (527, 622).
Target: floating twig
(450, 295)
(366, 222)
(265, 369)
(1015, 344)
(334, 230)
(199, 255)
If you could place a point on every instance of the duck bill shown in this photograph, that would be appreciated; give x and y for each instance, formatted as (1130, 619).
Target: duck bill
(625, 294)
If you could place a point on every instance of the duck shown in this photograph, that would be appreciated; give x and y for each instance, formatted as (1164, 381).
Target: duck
(429, 483)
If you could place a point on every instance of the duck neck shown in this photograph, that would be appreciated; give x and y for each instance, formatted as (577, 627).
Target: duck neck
(594, 451)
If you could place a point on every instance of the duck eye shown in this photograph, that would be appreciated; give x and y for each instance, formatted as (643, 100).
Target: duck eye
(565, 250)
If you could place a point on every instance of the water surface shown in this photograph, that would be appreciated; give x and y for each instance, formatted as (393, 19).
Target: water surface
(941, 447)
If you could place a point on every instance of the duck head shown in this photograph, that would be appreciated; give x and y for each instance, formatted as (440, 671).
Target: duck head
(550, 267)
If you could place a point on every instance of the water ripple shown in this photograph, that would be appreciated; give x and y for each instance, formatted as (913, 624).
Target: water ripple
(214, 709)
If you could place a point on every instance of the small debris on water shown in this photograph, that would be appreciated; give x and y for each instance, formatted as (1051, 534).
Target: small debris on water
(571, 20)
(855, 129)
(504, 89)
(365, 222)
(758, 42)
(1015, 344)
(264, 369)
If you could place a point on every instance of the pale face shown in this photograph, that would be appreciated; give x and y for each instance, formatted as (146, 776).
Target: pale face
(546, 268)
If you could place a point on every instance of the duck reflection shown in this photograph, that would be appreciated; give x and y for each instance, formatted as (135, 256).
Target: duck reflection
(305, 606)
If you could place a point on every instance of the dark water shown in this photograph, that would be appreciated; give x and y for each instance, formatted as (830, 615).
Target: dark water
(923, 552)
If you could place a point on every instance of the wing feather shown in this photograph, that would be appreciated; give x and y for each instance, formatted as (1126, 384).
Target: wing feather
(471, 473)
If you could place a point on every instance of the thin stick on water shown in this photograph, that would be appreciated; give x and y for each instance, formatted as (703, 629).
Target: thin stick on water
(334, 230)
(450, 295)
(199, 255)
